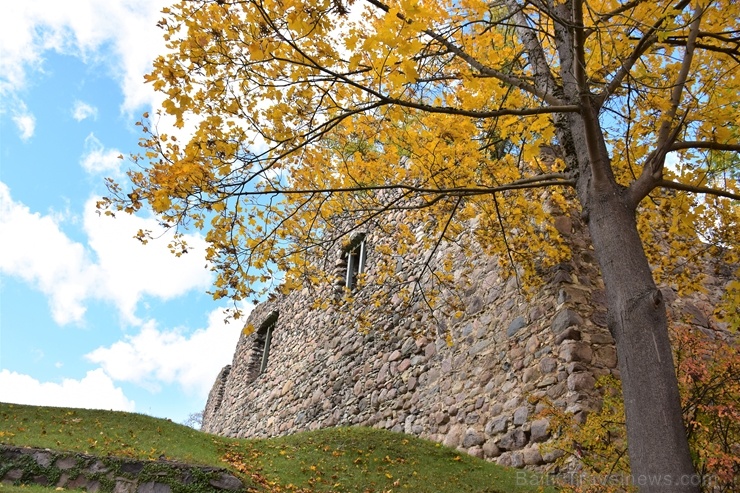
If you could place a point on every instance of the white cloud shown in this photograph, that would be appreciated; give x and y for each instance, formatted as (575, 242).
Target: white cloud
(34, 249)
(130, 270)
(26, 124)
(94, 391)
(97, 160)
(82, 110)
(112, 266)
(171, 356)
(127, 28)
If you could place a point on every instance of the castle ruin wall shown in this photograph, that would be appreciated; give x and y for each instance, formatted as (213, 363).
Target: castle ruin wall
(476, 380)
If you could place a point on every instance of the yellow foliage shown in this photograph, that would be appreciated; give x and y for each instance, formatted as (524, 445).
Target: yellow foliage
(305, 114)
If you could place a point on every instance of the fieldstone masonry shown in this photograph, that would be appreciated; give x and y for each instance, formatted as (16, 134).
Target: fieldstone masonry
(482, 393)
(68, 470)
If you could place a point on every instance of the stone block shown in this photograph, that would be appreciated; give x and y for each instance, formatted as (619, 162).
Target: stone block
(153, 487)
(472, 438)
(479, 347)
(13, 475)
(575, 367)
(530, 374)
(81, 482)
(227, 482)
(564, 319)
(474, 306)
(43, 458)
(532, 344)
(490, 449)
(513, 440)
(561, 276)
(411, 384)
(571, 333)
(538, 430)
(602, 338)
(124, 485)
(441, 418)
(551, 455)
(68, 462)
(454, 437)
(576, 351)
(515, 325)
(476, 452)
(548, 365)
(98, 468)
(581, 381)
(547, 381)
(287, 387)
(517, 460)
(497, 425)
(600, 318)
(512, 403)
(504, 459)
(520, 415)
(409, 346)
(563, 224)
(606, 356)
(532, 456)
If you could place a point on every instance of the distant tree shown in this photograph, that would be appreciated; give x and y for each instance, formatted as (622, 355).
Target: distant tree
(308, 111)
(195, 420)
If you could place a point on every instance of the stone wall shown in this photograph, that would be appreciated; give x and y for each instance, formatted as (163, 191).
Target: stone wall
(474, 380)
(68, 470)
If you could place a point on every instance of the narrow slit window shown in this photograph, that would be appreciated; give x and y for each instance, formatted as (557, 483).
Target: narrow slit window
(260, 354)
(355, 264)
(266, 350)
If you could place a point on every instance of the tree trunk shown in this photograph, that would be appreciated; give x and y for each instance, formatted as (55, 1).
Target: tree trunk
(658, 447)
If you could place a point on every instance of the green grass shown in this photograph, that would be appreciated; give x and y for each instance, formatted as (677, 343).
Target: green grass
(30, 488)
(352, 460)
(106, 433)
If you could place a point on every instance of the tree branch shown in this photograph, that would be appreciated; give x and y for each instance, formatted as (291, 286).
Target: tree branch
(674, 185)
(384, 99)
(545, 95)
(550, 179)
(506, 243)
(605, 17)
(652, 170)
(701, 144)
(734, 53)
(483, 114)
(599, 173)
(647, 40)
(544, 79)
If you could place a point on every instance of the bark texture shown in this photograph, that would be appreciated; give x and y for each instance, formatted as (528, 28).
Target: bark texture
(658, 449)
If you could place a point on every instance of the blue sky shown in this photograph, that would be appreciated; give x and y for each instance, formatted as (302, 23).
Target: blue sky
(88, 316)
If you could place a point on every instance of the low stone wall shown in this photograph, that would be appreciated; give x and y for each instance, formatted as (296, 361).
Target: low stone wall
(109, 474)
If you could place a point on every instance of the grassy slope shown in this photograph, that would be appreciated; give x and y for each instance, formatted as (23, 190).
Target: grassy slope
(338, 459)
